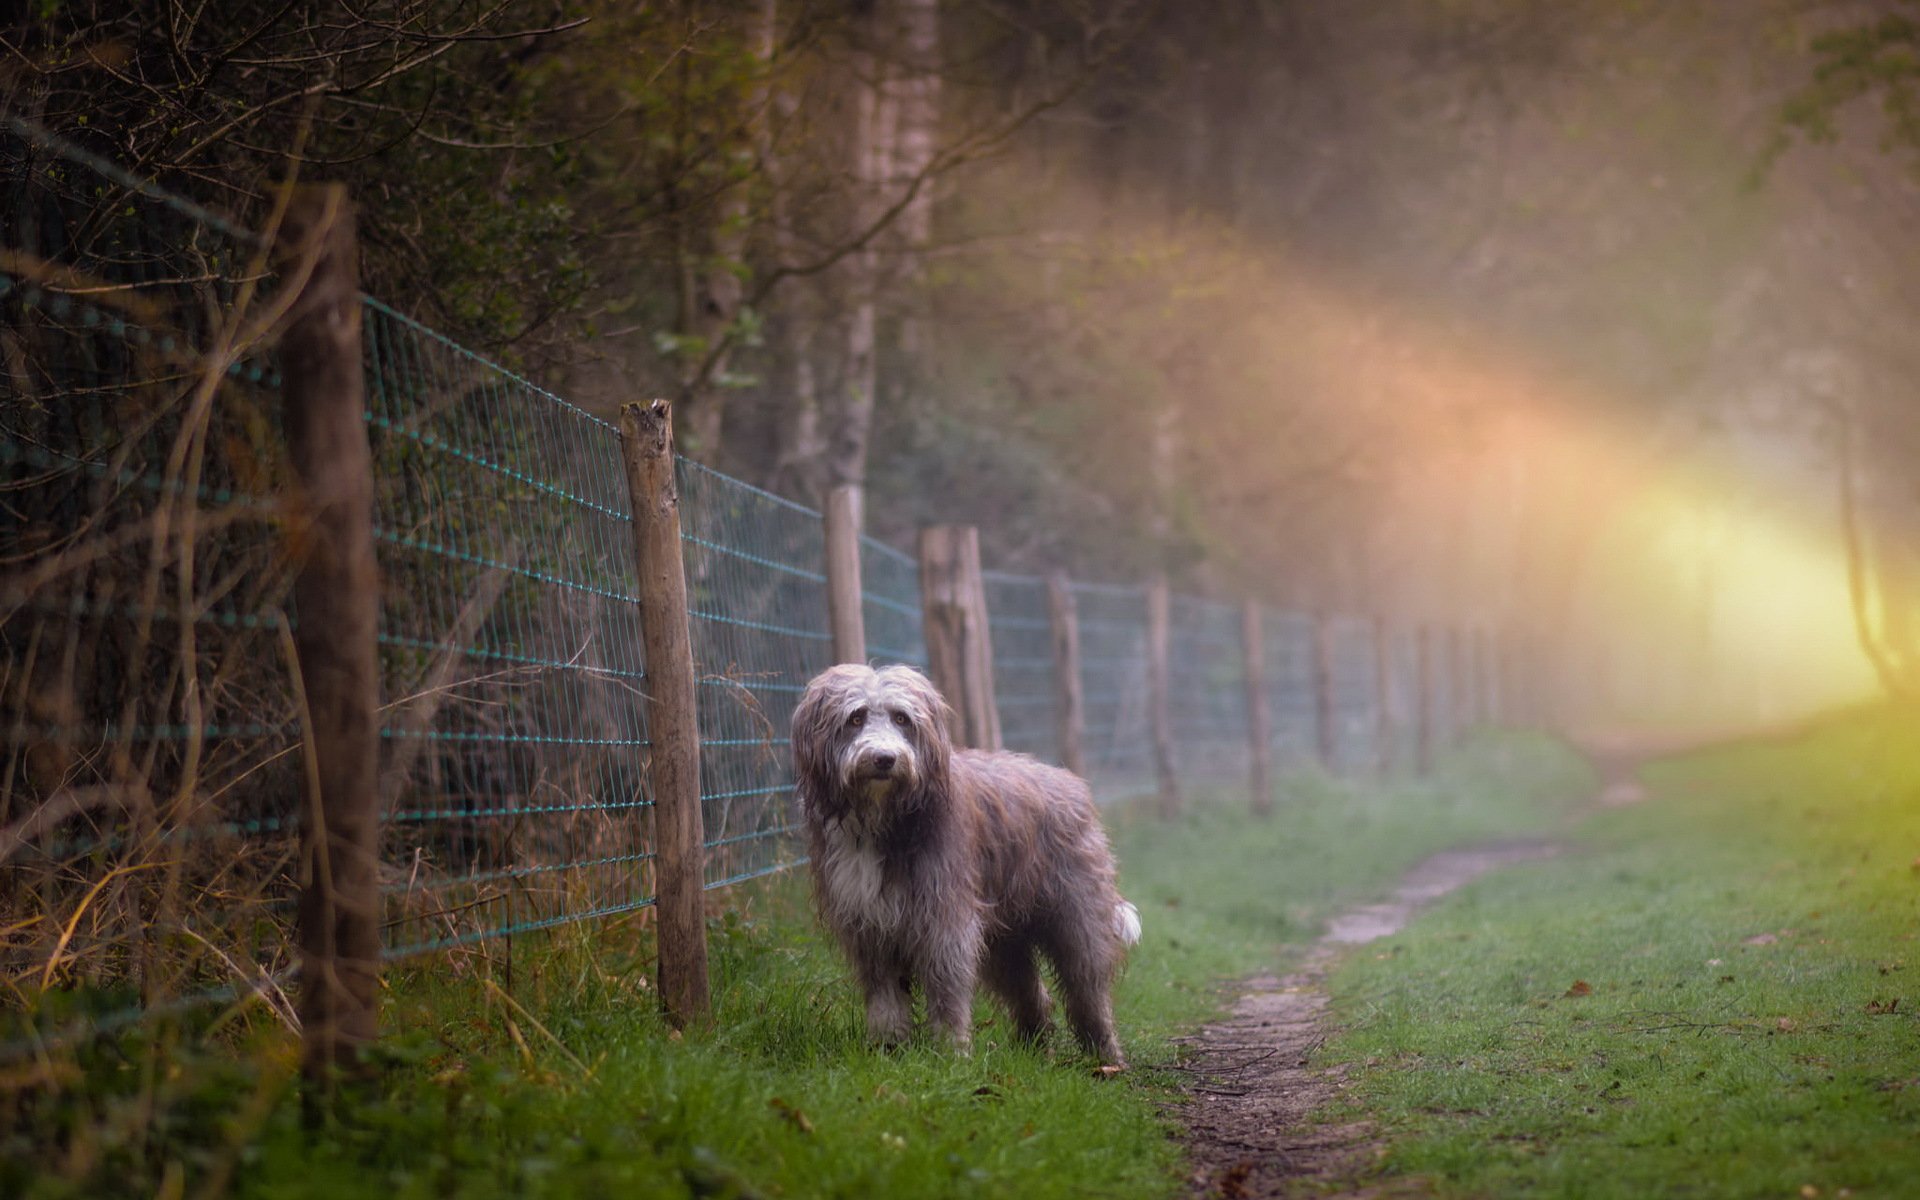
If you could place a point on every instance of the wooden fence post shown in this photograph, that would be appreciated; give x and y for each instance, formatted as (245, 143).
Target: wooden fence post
(1383, 693)
(673, 762)
(1253, 645)
(953, 618)
(1324, 716)
(1069, 706)
(844, 615)
(1159, 701)
(337, 596)
(1423, 691)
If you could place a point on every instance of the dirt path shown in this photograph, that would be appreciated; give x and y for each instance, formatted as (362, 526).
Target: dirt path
(1254, 1085)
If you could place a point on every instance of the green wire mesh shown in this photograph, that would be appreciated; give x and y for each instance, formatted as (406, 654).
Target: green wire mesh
(514, 727)
(1206, 689)
(1023, 687)
(757, 609)
(1291, 714)
(890, 605)
(1113, 680)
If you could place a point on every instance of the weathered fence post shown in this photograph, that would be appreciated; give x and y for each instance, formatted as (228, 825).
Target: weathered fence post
(1159, 699)
(1423, 691)
(1253, 645)
(844, 615)
(953, 617)
(673, 762)
(1069, 706)
(1323, 710)
(337, 596)
(1383, 693)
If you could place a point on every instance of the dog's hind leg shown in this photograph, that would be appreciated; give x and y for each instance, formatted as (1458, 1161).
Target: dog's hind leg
(1086, 961)
(1014, 976)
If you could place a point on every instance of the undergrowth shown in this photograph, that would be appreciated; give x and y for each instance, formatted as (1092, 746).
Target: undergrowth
(557, 1078)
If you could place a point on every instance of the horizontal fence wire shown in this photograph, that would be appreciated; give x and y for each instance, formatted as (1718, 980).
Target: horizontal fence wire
(1023, 670)
(1291, 704)
(149, 726)
(1113, 679)
(1354, 679)
(1206, 689)
(890, 605)
(757, 613)
(514, 721)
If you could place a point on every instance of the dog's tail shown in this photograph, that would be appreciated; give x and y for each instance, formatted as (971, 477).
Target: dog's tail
(1126, 922)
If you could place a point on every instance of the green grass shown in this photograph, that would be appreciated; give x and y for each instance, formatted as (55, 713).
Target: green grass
(1744, 934)
(573, 1087)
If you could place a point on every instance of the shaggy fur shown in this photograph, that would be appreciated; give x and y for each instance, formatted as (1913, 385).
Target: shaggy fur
(937, 867)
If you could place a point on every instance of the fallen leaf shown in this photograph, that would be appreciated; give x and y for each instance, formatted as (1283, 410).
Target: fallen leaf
(1580, 988)
(1233, 1183)
(1785, 1025)
(1761, 939)
(1808, 1191)
(1108, 1070)
(1880, 1008)
(792, 1114)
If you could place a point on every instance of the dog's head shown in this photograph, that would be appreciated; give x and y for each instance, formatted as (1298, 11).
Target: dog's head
(864, 740)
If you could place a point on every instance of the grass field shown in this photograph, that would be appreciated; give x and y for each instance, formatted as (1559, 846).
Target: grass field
(1713, 997)
(568, 1085)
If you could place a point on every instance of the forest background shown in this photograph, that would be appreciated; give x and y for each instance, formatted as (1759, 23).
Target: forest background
(1541, 315)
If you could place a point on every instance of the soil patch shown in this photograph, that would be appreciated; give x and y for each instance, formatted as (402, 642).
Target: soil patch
(1254, 1084)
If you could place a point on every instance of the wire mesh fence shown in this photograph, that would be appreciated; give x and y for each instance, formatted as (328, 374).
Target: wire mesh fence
(758, 616)
(150, 704)
(1113, 674)
(1023, 667)
(509, 647)
(1206, 685)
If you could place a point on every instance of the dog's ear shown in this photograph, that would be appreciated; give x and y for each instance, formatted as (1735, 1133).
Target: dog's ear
(816, 727)
(933, 735)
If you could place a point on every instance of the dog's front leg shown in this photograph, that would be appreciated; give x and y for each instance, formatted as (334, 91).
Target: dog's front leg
(889, 1004)
(948, 974)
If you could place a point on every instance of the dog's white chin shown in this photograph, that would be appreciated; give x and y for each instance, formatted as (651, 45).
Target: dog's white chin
(1126, 922)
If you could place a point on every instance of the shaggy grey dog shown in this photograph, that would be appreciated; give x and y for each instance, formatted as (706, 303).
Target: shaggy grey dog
(936, 866)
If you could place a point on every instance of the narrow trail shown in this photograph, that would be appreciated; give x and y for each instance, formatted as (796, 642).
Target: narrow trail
(1247, 1111)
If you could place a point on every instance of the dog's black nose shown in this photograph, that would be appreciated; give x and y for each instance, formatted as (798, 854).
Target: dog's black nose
(883, 762)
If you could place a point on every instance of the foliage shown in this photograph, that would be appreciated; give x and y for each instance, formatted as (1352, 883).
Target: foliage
(1878, 59)
(1745, 938)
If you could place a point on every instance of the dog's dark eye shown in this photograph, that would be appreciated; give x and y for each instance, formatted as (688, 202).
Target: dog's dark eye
(858, 718)
(901, 720)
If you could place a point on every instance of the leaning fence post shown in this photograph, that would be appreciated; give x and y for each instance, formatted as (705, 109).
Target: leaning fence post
(673, 731)
(336, 594)
(844, 615)
(1383, 693)
(1159, 702)
(1069, 706)
(1323, 711)
(953, 618)
(1253, 646)
(1423, 691)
